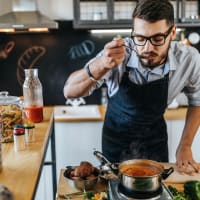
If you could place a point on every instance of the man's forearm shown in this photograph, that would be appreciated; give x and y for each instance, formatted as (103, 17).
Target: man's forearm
(77, 85)
(192, 123)
(184, 156)
(79, 82)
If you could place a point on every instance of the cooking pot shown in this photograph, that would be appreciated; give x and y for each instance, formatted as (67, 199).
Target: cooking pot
(137, 175)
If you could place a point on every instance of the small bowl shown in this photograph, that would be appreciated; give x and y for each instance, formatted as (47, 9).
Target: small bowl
(83, 184)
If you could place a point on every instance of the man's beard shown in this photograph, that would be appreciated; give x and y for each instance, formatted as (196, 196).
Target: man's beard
(150, 63)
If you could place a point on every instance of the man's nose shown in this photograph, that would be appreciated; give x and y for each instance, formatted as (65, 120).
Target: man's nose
(148, 46)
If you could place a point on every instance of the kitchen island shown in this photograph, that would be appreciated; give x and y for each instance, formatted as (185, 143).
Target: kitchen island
(21, 170)
(89, 131)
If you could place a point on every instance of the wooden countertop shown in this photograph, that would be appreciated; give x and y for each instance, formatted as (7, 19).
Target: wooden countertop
(21, 170)
(170, 114)
(176, 114)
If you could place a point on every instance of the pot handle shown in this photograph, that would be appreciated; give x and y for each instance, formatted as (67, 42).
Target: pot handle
(102, 158)
(105, 161)
(167, 172)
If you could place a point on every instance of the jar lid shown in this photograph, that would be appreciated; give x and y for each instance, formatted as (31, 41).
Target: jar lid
(18, 130)
(29, 125)
(18, 126)
(6, 99)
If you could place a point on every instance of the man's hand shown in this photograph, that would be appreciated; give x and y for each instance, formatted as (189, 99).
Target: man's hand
(114, 53)
(185, 161)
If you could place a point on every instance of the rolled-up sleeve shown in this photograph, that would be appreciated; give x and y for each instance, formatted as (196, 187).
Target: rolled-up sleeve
(192, 89)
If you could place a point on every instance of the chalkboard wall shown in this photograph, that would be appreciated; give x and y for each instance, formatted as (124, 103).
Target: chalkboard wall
(56, 55)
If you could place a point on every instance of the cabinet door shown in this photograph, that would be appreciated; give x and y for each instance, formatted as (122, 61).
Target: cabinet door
(190, 11)
(45, 188)
(123, 10)
(89, 13)
(187, 13)
(76, 141)
(175, 129)
(174, 135)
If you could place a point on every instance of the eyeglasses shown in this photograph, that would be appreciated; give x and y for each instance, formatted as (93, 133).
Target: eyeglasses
(156, 40)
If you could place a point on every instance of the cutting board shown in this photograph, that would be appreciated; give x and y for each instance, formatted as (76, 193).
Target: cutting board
(177, 177)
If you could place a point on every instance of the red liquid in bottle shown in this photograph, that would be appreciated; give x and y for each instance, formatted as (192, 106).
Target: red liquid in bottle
(34, 114)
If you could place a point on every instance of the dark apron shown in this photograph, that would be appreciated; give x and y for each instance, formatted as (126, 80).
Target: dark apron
(134, 127)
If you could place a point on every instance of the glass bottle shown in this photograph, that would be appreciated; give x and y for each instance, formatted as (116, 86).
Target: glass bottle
(33, 96)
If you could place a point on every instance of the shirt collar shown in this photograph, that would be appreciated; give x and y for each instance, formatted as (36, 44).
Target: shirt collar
(170, 64)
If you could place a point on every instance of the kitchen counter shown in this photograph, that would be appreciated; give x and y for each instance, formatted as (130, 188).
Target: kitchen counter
(170, 114)
(21, 170)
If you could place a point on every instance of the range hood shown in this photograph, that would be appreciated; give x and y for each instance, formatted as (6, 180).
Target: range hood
(25, 17)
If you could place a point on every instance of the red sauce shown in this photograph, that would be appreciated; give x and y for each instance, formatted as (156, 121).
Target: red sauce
(139, 170)
(34, 114)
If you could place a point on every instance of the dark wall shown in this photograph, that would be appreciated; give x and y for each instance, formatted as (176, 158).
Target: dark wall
(56, 54)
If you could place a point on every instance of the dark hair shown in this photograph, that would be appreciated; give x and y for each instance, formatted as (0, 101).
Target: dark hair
(154, 10)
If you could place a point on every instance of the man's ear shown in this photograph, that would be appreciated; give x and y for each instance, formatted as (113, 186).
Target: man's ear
(174, 32)
(9, 46)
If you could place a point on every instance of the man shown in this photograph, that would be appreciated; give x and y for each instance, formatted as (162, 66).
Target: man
(144, 74)
(6, 45)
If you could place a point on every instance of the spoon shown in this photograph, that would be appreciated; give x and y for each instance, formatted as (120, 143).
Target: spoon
(130, 48)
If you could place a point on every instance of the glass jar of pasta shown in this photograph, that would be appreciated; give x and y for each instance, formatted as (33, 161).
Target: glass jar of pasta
(11, 114)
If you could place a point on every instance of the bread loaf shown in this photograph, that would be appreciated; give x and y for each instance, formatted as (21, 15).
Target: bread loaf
(85, 169)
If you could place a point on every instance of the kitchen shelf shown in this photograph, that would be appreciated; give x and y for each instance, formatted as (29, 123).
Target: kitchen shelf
(108, 14)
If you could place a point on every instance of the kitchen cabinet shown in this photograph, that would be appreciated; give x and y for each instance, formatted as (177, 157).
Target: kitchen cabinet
(97, 14)
(188, 13)
(175, 129)
(103, 13)
(76, 141)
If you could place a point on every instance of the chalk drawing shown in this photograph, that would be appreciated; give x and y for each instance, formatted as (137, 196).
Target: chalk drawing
(28, 60)
(81, 50)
